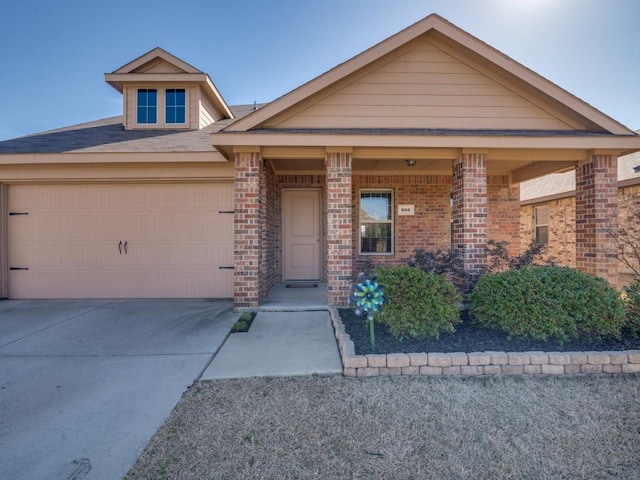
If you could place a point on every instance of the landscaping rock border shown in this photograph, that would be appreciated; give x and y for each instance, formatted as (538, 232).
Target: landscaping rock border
(480, 363)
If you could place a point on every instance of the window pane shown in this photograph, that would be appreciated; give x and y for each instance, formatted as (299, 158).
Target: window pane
(542, 215)
(142, 115)
(375, 238)
(180, 97)
(147, 105)
(542, 235)
(375, 206)
(175, 105)
(151, 116)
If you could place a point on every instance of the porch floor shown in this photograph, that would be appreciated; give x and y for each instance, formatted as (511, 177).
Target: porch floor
(297, 297)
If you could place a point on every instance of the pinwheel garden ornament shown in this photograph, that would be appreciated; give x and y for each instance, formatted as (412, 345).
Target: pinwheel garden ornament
(368, 297)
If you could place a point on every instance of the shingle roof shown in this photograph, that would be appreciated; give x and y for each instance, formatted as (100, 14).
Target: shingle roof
(108, 135)
(559, 185)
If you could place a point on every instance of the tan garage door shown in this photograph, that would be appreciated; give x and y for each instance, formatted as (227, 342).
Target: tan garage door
(121, 241)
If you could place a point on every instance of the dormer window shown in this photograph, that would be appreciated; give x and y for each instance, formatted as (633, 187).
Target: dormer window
(161, 91)
(147, 105)
(175, 105)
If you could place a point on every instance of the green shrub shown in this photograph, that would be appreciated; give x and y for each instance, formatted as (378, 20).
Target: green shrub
(247, 316)
(419, 304)
(548, 303)
(240, 326)
(632, 303)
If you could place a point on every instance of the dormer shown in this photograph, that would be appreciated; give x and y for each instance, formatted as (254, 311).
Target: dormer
(160, 91)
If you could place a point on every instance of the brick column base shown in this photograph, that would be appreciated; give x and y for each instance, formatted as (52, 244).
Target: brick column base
(339, 227)
(470, 216)
(597, 216)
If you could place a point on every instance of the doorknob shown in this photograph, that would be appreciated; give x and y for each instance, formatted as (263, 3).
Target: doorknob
(126, 251)
(120, 247)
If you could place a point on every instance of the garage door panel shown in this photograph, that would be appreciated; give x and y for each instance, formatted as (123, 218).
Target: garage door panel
(175, 237)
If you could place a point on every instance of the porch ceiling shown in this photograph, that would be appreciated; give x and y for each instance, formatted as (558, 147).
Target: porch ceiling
(520, 164)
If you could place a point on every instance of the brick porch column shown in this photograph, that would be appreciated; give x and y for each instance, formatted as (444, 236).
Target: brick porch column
(248, 225)
(470, 215)
(597, 215)
(339, 227)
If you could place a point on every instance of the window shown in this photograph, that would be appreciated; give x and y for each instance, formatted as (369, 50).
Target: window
(175, 105)
(147, 105)
(376, 221)
(541, 223)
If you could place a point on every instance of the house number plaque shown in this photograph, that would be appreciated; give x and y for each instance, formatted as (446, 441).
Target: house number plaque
(406, 210)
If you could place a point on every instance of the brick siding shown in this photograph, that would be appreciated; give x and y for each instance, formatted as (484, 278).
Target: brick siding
(429, 228)
(503, 212)
(562, 235)
(339, 227)
(248, 224)
(596, 213)
(470, 215)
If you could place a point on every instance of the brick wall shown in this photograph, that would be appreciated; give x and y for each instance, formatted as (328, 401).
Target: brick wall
(562, 234)
(248, 222)
(562, 240)
(596, 214)
(470, 215)
(503, 212)
(339, 227)
(429, 228)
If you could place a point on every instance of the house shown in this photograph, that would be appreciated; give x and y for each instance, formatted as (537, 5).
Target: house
(420, 141)
(548, 206)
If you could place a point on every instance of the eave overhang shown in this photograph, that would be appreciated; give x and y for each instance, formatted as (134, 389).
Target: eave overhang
(619, 144)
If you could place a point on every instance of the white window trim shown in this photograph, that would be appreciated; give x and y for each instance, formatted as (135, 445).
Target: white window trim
(186, 106)
(147, 124)
(391, 222)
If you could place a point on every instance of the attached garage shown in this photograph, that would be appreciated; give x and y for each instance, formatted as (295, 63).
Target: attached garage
(133, 240)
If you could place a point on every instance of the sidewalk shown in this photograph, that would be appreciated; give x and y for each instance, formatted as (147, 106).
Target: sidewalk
(279, 344)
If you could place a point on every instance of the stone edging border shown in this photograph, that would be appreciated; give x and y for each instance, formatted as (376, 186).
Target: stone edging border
(479, 363)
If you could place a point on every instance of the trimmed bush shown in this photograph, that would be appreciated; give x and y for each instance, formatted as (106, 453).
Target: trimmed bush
(419, 304)
(545, 303)
(632, 303)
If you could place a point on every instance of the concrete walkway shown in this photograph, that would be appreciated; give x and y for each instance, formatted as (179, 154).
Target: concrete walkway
(279, 344)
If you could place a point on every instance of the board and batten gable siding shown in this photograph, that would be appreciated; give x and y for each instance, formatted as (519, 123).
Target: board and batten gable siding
(207, 114)
(423, 87)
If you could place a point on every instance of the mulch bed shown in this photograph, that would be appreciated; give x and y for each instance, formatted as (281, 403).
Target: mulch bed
(469, 337)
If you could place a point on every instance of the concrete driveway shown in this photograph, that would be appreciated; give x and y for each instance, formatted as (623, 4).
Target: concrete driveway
(85, 384)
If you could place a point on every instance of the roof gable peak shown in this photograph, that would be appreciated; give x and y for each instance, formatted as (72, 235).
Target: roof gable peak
(154, 57)
(453, 39)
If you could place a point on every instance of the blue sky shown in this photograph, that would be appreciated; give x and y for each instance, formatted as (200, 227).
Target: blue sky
(53, 54)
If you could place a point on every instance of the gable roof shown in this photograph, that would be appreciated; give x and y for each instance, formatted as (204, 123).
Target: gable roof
(137, 65)
(159, 65)
(107, 136)
(484, 57)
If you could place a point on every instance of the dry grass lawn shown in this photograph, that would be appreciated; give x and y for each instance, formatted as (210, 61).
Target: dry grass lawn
(401, 428)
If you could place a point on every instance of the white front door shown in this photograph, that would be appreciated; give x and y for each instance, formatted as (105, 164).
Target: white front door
(302, 234)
